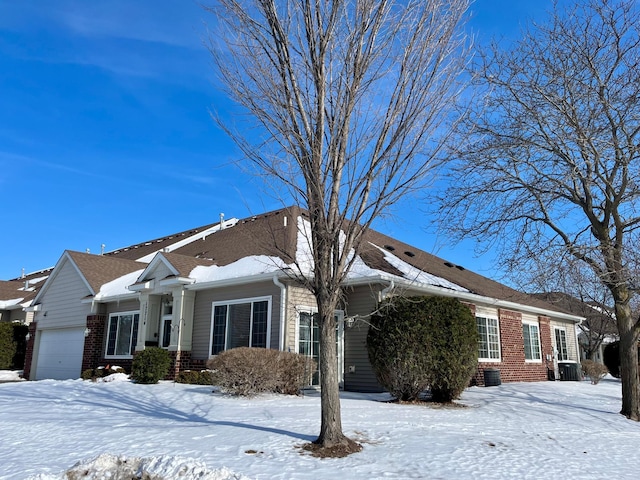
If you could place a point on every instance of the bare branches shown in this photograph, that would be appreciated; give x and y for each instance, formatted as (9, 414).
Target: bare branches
(349, 108)
(552, 153)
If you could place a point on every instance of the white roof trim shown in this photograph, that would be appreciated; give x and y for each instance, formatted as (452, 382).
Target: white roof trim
(56, 270)
(186, 241)
(157, 259)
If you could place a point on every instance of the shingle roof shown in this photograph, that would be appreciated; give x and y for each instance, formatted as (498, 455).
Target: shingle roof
(142, 249)
(275, 234)
(439, 267)
(593, 313)
(14, 289)
(185, 264)
(259, 235)
(101, 269)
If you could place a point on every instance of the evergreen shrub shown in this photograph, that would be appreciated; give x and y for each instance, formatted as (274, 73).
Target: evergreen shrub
(13, 345)
(420, 342)
(195, 377)
(100, 372)
(150, 365)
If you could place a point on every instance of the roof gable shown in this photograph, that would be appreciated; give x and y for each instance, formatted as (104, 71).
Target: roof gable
(93, 270)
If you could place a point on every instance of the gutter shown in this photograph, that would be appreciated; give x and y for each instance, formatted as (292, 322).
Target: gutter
(465, 295)
(262, 277)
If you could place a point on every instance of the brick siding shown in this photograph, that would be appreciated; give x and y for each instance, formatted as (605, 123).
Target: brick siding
(513, 367)
(28, 357)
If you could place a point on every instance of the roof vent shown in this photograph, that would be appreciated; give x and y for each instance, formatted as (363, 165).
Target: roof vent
(221, 221)
(460, 267)
(391, 248)
(409, 253)
(449, 264)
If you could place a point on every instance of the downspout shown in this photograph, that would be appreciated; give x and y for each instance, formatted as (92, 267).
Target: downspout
(384, 292)
(283, 308)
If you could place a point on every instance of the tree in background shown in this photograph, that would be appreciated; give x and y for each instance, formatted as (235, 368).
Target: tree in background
(349, 104)
(550, 163)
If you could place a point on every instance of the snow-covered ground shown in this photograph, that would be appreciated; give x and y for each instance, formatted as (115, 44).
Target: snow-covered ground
(520, 430)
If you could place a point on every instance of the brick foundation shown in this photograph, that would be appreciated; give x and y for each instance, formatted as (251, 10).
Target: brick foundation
(181, 361)
(28, 358)
(94, 342)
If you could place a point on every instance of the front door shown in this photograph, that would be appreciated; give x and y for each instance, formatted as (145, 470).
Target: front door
(309, 340)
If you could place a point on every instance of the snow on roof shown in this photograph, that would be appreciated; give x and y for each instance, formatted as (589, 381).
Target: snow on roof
(118, 286)
(5, 304)
(416, 275)
(245, 267)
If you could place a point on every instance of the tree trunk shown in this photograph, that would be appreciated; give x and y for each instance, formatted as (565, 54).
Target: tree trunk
(331, 421)
(628, 362)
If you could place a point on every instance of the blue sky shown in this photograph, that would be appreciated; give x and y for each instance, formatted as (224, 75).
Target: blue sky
(105, 135)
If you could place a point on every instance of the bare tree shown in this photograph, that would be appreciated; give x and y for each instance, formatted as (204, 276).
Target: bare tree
(572, 285)
(552, 158)
(349, 104)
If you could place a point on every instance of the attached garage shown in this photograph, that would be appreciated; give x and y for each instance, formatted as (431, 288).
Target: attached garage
(60, 354)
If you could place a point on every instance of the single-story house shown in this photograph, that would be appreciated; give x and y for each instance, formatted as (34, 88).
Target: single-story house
(598, 329)
(232, 284)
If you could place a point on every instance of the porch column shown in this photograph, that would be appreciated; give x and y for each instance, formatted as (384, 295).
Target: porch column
(182, 321)
(143, 321)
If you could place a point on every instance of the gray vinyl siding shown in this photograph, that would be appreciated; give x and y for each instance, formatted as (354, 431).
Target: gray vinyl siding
(360, 301)
(203, 312)
(123, 306)
(61, 303)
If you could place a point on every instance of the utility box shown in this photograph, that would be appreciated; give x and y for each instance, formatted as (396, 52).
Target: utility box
(492, 377)
(569, 371)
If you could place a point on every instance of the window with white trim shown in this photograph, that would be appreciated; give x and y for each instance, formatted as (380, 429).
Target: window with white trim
(240, 323)
(488, 339)
(531, 337)
(308, 338)
(122, 334)
(561, 344)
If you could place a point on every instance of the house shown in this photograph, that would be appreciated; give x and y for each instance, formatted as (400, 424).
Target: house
(18, 294)
(234, 284)
(598, 328)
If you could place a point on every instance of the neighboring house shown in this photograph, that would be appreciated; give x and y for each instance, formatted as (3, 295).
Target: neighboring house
(16, 295)
(235, 284)
(596, 331)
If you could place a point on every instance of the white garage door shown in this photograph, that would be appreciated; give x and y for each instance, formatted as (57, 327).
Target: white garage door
(60, 354)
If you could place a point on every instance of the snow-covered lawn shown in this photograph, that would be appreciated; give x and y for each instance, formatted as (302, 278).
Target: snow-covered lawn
(521, 430)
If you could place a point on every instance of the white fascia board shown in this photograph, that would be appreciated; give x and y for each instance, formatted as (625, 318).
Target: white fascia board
(186, 241)
(33, 308)
(54, 273)
(114, 298)
(141, 287)
(227, 282)
(157, 258)
(169, 282)
(467, 296)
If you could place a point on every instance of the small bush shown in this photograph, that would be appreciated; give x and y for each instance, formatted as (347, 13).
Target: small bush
(195, 377)
(150, 365)
(249, 371)
(94, 373)
(13, 345)
(594, 370)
